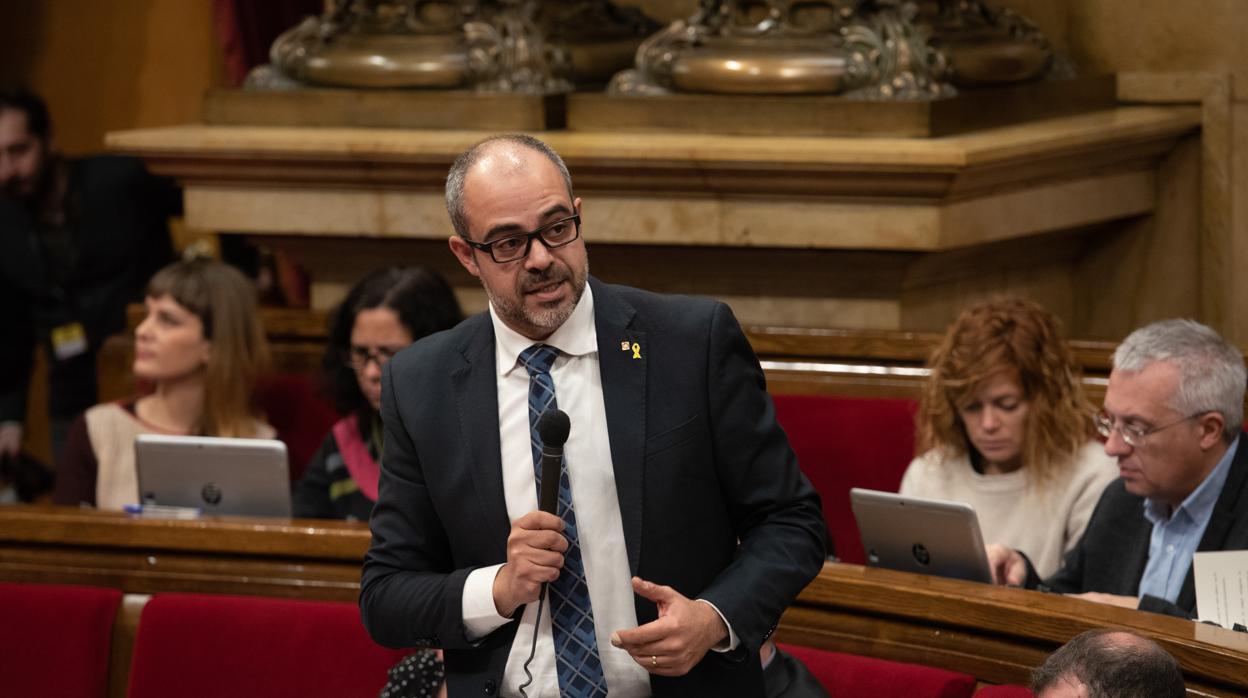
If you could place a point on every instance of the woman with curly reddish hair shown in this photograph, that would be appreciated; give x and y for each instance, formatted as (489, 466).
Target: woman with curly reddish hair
(1005, 427)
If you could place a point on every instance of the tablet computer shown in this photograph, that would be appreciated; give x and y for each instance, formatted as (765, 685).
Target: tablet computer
(247, 477)
(928, 536)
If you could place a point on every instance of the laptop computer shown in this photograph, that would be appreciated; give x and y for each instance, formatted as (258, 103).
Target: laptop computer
(927, 536)
(246, 477)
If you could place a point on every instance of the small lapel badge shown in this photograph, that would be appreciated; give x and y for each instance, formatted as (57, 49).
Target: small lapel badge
(624, 345)
(636, 350)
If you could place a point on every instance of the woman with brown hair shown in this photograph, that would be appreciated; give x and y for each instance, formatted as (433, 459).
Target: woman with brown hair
(201, 349)
(1005, 427)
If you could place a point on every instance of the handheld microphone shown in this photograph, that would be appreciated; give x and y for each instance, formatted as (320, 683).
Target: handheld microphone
(553, 427)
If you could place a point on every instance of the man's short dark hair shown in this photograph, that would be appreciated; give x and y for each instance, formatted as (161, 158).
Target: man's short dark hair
(1112, 664)
(19, 98)
(459, 172)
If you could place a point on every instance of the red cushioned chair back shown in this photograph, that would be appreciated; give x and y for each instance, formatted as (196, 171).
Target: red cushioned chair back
(55, 640)
(851, 675)
(198, 645)
(302, 418)
(844, 442)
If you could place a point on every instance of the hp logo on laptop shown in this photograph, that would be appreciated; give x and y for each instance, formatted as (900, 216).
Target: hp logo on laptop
(211, 493)
(921, 556)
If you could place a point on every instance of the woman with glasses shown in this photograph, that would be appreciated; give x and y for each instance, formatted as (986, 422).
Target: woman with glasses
(200, 349)
(1005, 427)
(386, 311)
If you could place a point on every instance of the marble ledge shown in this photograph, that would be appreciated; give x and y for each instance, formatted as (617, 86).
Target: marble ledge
(684, 220)
(1097, 130)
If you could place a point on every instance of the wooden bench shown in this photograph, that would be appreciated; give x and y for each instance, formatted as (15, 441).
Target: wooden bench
(996, 634)
(852, 363)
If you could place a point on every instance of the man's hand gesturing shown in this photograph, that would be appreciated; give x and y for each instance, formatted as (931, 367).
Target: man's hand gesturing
(683, 633)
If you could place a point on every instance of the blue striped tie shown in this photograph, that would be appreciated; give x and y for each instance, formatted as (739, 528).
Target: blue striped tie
(571, 615)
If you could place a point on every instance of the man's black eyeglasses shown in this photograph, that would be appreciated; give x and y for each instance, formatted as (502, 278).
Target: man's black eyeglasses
(553, 235)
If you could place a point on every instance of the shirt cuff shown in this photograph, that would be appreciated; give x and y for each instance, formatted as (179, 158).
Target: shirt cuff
(480, 615)
(729, 643)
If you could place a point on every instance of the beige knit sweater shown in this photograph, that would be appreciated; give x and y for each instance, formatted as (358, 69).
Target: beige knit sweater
(1042, 523)
(112, 430)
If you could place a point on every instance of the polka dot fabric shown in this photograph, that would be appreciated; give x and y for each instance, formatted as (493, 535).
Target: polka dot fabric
(415, 676)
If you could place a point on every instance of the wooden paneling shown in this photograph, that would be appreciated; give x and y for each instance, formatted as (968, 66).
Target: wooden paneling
(104, 66)
(860, 363)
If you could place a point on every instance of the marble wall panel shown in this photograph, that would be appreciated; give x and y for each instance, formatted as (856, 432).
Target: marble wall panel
(1151, 35)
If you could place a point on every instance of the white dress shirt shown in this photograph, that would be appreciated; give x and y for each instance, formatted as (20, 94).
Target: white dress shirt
(578, 390)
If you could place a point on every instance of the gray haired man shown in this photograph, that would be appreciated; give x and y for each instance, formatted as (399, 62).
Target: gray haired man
(1172, 416)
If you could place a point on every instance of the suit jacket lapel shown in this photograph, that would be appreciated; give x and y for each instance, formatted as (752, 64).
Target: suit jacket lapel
(1220, 521)
(624, 394)
(476, 398)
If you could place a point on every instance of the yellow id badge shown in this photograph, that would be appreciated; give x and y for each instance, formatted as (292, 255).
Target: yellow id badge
(69, 341)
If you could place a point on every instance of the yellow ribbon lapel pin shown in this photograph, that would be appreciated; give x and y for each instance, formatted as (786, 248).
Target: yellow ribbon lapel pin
(635, 347)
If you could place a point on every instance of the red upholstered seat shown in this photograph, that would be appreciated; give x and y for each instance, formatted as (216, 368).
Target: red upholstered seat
(1004, 691)
(843, 443)
(302, 417)
(198, 645)
(851, 675)
(55, 640)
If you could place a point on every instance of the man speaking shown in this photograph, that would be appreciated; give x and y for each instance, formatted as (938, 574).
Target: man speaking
(683, 526)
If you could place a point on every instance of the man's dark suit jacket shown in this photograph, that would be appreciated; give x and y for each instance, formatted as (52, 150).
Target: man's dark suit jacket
(118, 237)
(1111, 556)
(699, 462)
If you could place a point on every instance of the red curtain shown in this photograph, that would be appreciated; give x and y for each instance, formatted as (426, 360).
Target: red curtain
(247, 28)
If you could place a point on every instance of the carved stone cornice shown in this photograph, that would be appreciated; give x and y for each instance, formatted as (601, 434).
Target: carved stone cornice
(888, 168)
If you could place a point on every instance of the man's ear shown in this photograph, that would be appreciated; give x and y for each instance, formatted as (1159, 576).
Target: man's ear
(463, 252)
(1211, 426)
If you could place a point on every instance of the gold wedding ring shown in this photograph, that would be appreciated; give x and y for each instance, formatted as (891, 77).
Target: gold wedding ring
(654, 661)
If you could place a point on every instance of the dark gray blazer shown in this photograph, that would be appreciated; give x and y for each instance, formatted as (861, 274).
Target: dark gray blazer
(1111, 556)
(699, 461)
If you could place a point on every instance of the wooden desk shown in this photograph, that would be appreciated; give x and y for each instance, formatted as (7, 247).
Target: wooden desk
(300, 558)
(994, 633)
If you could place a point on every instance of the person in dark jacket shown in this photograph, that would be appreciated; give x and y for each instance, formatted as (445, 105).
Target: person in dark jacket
(79, 238)
(1173, 418)
(386, 311)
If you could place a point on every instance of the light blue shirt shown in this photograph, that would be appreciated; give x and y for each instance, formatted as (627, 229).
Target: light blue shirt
(1177, 534)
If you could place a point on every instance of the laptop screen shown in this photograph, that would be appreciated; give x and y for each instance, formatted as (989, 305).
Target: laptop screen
(926, 536)
(246, 477)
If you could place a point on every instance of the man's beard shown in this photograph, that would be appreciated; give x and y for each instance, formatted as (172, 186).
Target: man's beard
(544, 319)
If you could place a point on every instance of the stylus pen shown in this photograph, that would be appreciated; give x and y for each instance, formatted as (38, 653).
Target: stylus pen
(163, 512)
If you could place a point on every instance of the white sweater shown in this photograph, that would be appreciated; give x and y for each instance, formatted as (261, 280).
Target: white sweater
(1043, 523)
(112, 430)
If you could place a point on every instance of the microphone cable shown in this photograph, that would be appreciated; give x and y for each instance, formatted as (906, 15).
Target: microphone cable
(537, 625)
